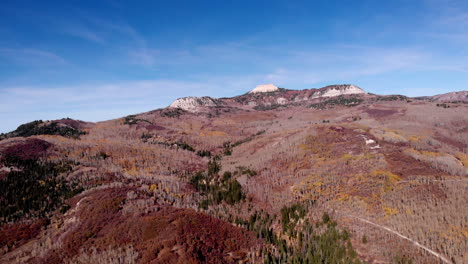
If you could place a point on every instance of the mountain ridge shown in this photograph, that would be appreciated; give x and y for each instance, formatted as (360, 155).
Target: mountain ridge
(255, 97)
(271, 95)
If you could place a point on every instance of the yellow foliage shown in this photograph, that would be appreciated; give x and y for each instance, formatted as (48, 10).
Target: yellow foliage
(412, 150)
(303, 146)
(132, 171)
(463, 159)
(387, 174)
(426, 153)
(358, 157)
(390, 211)
(465, 232)
(452, 232)
(153, 187)
(389, 179)
(390, 135)
(415, 138)
(360, 126)
(342, 197)
(214, 134)
(317, 183)
(348, 156)
(431, 154)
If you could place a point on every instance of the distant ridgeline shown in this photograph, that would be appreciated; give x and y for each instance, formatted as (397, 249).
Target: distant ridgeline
(266, 97)
(64, 127)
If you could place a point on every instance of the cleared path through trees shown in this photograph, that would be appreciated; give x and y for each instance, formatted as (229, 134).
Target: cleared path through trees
(445, 260)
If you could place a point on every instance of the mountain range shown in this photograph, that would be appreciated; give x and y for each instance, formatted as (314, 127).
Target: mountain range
(328, 175)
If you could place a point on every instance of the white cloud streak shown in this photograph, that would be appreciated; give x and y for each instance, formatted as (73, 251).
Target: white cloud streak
(32, 57)
(84, 33)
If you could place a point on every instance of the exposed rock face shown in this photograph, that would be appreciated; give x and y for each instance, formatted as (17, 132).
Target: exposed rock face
(193, 104)
(264, 95)
(265, 88)
(337, 90)
(281, 101)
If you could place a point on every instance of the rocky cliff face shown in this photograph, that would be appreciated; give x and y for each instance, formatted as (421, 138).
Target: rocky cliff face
(337, 90)
(262, 95)
(266, 95)
(194, 104)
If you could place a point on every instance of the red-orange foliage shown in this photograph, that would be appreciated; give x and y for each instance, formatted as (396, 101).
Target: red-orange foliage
(14, 235)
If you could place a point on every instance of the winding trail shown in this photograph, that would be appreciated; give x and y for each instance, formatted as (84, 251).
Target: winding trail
(445, 260)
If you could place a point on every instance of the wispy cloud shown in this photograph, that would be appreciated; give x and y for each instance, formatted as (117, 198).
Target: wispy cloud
(84, 33)
(449, 22)
(134, 45)
(144, 56)
(32, 57)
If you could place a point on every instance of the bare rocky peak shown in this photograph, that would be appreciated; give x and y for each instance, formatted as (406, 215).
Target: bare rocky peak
(193, 104)
(267, 94)
(337, 90)
(265, 88)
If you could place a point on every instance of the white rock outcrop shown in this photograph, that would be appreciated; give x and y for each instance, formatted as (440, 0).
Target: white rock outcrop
(193, 104)
(337, 90)
(265, 88)
(300, 98)
(282, 101)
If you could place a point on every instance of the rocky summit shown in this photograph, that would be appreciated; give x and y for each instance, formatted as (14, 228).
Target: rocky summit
(265, 88)
(193, 104)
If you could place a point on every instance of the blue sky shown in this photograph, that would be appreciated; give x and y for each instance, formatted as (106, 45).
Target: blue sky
(98, 60)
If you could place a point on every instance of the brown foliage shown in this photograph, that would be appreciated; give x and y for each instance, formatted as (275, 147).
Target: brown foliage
(31, 148)
(167, 235)
(14, 235)
(405, 166)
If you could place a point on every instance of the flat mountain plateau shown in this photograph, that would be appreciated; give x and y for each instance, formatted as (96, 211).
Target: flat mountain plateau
(330, 175)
